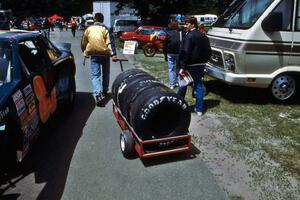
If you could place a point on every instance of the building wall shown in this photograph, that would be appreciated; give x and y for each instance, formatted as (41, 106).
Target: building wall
(108, 8)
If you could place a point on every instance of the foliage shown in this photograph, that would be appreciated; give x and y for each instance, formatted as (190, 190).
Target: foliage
(145, 8)
(65, 8)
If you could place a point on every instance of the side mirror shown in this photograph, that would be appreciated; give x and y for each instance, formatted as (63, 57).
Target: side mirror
(272, 22)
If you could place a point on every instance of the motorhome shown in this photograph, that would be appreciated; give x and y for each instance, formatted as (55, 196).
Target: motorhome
(207, 19)
(257, 44)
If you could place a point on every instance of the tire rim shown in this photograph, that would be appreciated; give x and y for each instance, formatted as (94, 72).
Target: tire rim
(283, 87)
(122, 143)
(150, 50)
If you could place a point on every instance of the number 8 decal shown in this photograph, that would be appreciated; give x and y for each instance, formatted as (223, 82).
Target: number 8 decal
(47, 104)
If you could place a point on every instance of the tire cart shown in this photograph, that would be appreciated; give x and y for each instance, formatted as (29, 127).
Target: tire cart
(130, 142)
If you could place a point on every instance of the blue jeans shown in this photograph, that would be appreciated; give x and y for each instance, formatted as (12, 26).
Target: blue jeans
(197, 73)
(100, 71)
(173, 68)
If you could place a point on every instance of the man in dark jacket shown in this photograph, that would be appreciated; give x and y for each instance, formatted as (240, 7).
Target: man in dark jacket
(171, 52)
(194, 53)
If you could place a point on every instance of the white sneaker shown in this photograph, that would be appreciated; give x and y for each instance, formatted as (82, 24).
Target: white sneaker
(172, 87)
(199, 113)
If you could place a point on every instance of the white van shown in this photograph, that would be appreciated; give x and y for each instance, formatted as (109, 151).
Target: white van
(257, 44)
(206, 19)
(124, 25)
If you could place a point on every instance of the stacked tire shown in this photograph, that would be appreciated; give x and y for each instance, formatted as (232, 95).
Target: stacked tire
(152, 109)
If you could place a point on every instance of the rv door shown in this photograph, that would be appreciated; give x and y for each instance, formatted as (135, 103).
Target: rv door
(294, 59)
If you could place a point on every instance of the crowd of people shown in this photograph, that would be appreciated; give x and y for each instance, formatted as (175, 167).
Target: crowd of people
(186, 52)
(45, 24)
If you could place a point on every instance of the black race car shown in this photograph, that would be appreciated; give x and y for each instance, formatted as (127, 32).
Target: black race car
(37, 79)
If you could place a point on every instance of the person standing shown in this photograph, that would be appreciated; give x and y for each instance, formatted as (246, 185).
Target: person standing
(171, 52)
(73, 26)
(98, 44)
(194, 53)
(46, 27)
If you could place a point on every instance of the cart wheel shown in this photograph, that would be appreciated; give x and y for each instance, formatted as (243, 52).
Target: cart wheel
(126, 144)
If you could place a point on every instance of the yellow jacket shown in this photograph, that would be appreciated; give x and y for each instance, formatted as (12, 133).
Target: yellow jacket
(97, 40)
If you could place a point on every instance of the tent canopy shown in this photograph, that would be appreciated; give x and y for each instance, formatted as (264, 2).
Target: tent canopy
(55, 17)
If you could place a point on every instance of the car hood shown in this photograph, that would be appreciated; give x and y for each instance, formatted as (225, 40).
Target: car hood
(63, 46)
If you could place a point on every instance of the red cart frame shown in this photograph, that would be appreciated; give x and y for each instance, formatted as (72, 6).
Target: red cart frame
(147, 148)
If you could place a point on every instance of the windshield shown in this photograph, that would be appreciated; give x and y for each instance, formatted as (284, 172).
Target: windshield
(242, 13)
(5, 63)
(126, 23)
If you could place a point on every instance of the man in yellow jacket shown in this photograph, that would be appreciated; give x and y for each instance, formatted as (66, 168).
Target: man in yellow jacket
(98, 44)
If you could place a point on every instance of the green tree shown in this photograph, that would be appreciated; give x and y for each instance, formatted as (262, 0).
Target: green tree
(66, 8)
(164, 8)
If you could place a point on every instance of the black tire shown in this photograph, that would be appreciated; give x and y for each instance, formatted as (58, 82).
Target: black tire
(158, 113)
(127, 144)
(283, 88)
(149, 51)
(121, 78)
(129, 89)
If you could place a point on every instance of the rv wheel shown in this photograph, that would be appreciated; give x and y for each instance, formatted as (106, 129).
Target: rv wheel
(283, 87)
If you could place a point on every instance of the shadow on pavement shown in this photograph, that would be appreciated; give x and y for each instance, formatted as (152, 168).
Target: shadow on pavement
(243, 95)
(50, 157)
(192, 154)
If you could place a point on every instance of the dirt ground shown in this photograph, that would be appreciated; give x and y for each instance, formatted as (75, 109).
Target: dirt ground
(236, 175)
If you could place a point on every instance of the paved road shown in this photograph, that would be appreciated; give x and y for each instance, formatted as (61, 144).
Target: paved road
(80, 158)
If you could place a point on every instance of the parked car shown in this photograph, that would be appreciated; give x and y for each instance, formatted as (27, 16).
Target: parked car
(124, 25)
(37, 81)
(207, 19)
(141, 34)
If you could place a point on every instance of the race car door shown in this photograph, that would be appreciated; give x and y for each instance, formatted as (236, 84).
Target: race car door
(41, 72)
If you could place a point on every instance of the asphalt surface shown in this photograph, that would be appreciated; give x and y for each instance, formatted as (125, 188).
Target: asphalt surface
(79, 157)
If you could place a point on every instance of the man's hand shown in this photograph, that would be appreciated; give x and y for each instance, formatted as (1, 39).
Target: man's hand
(181, 72)
(114, 58)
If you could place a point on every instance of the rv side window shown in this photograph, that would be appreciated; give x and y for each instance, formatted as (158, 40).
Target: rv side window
(298, 16)
(286, 8)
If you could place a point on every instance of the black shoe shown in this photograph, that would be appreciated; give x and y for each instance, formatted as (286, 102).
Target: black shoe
(99, 99)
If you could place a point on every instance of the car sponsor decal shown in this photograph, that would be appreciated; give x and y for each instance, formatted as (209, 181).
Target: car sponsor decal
(29, 123)
(3, 113)
(47, 102)
(19, 102)
(29, 98)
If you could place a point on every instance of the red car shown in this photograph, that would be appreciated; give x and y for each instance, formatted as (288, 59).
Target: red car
(141, 34)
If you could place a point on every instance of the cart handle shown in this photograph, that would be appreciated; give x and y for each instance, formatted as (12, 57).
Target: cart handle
(121, 65)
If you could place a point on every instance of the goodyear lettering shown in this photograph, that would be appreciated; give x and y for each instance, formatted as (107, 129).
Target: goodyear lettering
(172, 99)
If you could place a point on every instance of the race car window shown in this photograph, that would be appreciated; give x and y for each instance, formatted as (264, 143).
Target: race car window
(32, 55)
(5, 63)
(52, 51)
